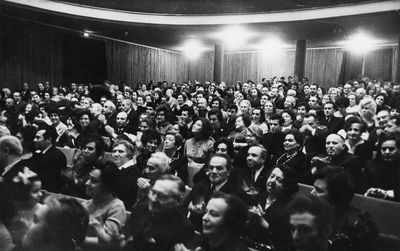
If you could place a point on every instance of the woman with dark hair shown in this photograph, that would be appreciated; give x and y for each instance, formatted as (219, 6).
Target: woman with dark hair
(258, 119)
(164, 120)
(354, 127)
(198, 148)
(292, 156)
(107, 213)
(351, 229)
(150, 139)
(28, 114)
(269, 224)
(225, 146)
(60, 226)
(254, 97)
(238, 86)
(381, 101)
(224, 223)
(76, 135)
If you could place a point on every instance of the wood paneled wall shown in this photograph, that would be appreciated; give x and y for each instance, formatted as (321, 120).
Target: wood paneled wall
(29, 53)
(136, 64)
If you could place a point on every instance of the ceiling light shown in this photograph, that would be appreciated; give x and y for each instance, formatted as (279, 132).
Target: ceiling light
(360, 43)
(192, 49)
(234, 37)
(86, 34)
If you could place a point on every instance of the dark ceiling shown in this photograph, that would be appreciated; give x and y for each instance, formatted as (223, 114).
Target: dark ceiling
(319, 33)
(210, 6)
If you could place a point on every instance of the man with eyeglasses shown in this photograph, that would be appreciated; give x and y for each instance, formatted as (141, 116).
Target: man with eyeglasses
(158, 223)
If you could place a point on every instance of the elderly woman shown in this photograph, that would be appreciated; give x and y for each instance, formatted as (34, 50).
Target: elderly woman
(60, 225)
(269, 224)
(123, 157)
(107, 213)
(198, 148)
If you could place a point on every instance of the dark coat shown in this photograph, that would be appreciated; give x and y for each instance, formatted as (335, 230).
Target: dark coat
(127, 186)
(334, 124)
(167, 229)
(49, 167)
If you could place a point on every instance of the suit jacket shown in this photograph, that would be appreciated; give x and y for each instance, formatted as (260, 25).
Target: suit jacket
(17, 167)
(315, 144)
(273, 142)
(334, 124)
(49, 167)
(166, 229)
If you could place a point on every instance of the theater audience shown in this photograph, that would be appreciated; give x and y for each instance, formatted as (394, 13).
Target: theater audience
(194, 120)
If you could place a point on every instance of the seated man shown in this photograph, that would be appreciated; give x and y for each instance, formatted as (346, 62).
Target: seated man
(337, 155)
(218, 170)
(158, 224)
(381, 177)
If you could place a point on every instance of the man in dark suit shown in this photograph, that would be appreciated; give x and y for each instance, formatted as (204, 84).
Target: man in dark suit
(10, 159)
(218, 171)
(255, 176)
(273, 140)
(159, 223)
(25, 92)
(333, 123)
(314, 142)
(49, 162)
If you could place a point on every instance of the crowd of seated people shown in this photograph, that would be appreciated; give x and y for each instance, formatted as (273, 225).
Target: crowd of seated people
(196, 166)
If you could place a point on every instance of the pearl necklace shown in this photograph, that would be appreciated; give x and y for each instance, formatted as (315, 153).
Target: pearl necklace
(288, 158)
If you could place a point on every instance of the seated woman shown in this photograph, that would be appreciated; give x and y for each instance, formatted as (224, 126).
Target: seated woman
(173, 149)
(123, 157)
(107, 213)
(293, 156)
(225, 146)
(76, 135)
(60, 226)
(269, 224)
(238, 136)
(354, 127)
(223, 224)
(352, 230)
(253, 137)
(151, 139)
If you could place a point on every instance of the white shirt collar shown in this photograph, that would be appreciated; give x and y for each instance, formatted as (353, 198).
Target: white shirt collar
(127, 164)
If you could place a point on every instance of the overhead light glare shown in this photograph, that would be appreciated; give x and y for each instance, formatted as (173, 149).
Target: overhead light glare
(86, 34)
(192, 49)
(234, 37)
(360, 43)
